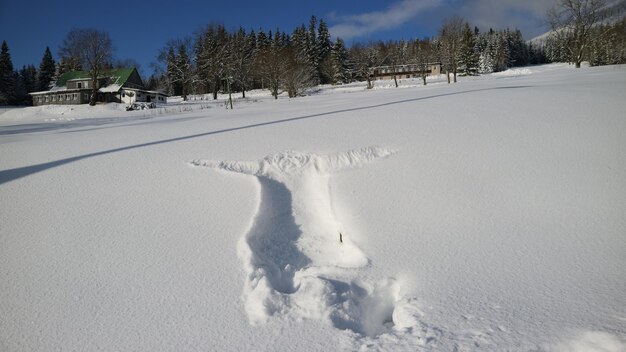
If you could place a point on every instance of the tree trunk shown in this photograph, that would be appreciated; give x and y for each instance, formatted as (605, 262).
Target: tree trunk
(395, 80)
(243, 93)
(448, 75)
(94, 92)
(454, 73)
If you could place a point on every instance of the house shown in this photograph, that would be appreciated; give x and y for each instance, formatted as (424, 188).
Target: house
(122, 85)
(405, 71)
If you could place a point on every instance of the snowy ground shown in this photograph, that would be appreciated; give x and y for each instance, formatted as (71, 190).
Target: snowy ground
(484, 215)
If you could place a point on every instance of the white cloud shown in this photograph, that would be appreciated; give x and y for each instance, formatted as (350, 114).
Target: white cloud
(527, 15)
(348, 27)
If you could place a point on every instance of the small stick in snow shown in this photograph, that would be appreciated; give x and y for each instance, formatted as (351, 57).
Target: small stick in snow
(340, 238)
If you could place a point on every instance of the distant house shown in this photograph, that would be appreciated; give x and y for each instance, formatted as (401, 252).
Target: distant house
(405, 71)
(122, 85)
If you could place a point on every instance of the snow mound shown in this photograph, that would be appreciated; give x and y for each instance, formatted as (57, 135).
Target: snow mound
(51, 113)
(298, 256)
(512, 72)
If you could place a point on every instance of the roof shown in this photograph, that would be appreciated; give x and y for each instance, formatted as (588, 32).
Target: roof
(118, 76)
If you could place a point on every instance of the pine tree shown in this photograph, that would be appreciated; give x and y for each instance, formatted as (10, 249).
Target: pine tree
(47, 70)
(29, 77)
(312, 46)
(8, 80)
(324, 47)
(500, 52)
(26, 80)
(468, 58)
(339, 56)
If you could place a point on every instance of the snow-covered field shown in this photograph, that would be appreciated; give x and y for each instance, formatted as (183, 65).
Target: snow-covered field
(488, 215)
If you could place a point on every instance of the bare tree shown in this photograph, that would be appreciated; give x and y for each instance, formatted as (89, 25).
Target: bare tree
(297, 76)
(271, 65)
(572, 22)
(423, 54)
(450, 37)
(242, 58)
(93, 49)
(365, 58)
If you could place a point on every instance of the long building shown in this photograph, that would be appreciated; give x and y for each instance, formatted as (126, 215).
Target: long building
(123, 85)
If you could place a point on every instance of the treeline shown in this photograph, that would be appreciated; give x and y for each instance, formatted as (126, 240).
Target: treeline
(275, 60)
(606, 47)
(16, 84)
(292, 62)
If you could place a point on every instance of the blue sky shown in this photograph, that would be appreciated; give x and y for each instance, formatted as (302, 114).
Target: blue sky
(139, 29)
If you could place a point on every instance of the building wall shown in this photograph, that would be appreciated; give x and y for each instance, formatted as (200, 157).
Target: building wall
(405, 71)
(79, 84)
(141, 96)
(61, 98)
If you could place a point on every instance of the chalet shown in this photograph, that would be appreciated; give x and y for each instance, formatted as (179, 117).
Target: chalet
(405, 71)
(122, 85)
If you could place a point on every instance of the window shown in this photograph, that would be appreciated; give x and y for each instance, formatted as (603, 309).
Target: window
(79, 85)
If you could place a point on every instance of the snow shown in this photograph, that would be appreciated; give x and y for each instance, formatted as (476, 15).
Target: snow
(483, 215)
(513, 72)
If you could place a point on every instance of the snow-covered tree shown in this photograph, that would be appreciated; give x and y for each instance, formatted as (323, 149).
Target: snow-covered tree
(469, 57)
(339, 59)
(324, 49)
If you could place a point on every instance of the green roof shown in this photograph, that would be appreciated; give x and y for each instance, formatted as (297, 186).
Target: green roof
(120, 76)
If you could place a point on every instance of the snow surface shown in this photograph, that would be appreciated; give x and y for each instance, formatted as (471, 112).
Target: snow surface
(484, 215)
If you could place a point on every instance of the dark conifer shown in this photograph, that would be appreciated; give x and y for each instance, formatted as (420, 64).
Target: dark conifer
(7, 77)
(47, 70)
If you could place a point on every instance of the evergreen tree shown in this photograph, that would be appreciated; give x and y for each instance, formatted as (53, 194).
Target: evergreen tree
(26, 80)
(312, 46)
(8, 80)
(47, 70)
(339, 59)
(261, 40)
(324, 48)
(468, 57)
(500, 52)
